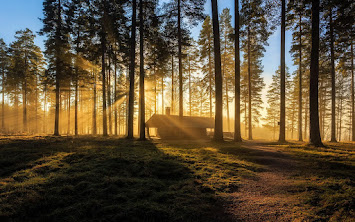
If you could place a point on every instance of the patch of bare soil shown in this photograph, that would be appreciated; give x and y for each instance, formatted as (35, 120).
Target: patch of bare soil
(269, 197)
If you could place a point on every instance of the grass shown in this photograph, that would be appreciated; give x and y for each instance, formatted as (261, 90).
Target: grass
(111, 179)
(326, 180)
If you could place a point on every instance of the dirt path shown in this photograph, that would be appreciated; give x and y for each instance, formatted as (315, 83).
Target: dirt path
(269, 197)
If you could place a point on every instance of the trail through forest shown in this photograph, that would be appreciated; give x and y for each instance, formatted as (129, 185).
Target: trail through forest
(267, 197)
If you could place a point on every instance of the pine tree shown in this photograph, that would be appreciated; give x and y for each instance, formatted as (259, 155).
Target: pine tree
(237, 131)
(255, 33)
(57, 48)
(298, 19)
(25, 56)
(282, 137)
(141, 74)
(218, 130)
(191, 10)
(4, 62)
(314, 136)
(206, 48)
(227, 58)
(273, 99)
(131, 72)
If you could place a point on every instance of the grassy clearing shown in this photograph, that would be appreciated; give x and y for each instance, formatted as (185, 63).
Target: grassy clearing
(111, 179)
(326, 180)
(86, 179)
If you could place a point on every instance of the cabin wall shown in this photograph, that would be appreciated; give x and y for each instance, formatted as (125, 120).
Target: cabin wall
(182, 133)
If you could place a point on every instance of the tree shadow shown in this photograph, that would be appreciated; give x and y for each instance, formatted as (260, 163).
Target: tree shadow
(106, 179)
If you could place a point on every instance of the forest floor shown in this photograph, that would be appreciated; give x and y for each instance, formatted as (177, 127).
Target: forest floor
(87, 178)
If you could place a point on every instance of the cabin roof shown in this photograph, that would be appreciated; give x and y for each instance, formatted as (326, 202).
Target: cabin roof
(157, 121)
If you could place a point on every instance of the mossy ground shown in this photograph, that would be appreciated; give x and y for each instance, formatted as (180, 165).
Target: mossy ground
(112, 179)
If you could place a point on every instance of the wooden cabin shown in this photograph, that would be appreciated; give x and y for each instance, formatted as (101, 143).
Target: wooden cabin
(173, 127)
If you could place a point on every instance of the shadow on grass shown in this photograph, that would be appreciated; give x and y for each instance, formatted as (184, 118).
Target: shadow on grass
(251, 152)
(105, 179)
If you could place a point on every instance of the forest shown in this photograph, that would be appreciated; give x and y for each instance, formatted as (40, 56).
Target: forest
(85, 118)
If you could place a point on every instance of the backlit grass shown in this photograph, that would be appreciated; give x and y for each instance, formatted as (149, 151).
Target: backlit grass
(112, 179)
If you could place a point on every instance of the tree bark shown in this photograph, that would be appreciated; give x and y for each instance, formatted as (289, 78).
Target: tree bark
(36, 103)
(57, 71)
(94, 125)
(172, 84)
(181, 105)
(162, 95)
(237, 133)
(115, 95)
(190, 104)
(210, 76)
(218, 131)
(131, 72)
(104, 117)
(352, 92)
(24, 105)
(282, 137)
(3, 102)
(333, 132)
(314, 135)
(141, 76)
(249, 90)
(68, 125)
(109, 97)
(76, 100)
(300, 88)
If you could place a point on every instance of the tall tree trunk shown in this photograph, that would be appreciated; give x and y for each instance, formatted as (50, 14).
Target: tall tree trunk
(24, 106)
(172, 85)
(306, 118)
(155, 91)
(314, 135)
(119, 119)
(131, 72)
(3, 102)
(94, 125)
(24, 97)
(141, 76)
(181, 105)
(292, 123)
(76, 100)
(162, 95)
(68, 125)
(57, 71)
(224, 73)
(103, 63)
(274, 135)
(352, 92)
(249, 89)
(115, 96)
(282, 137)
(321, 114)
(109, 98)
(190, 104)
(237, 133)
(300, 88)
(17, 114)
(44, 108)
(340, 117)
(245, 117)
(210, 76)
(218, 131)
(57, 106)
(333, 134)
(227, 104)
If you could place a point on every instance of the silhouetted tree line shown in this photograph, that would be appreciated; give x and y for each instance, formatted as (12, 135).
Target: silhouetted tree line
(86, 81)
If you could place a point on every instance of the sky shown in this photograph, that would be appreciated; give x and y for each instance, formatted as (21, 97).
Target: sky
(20, 14)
